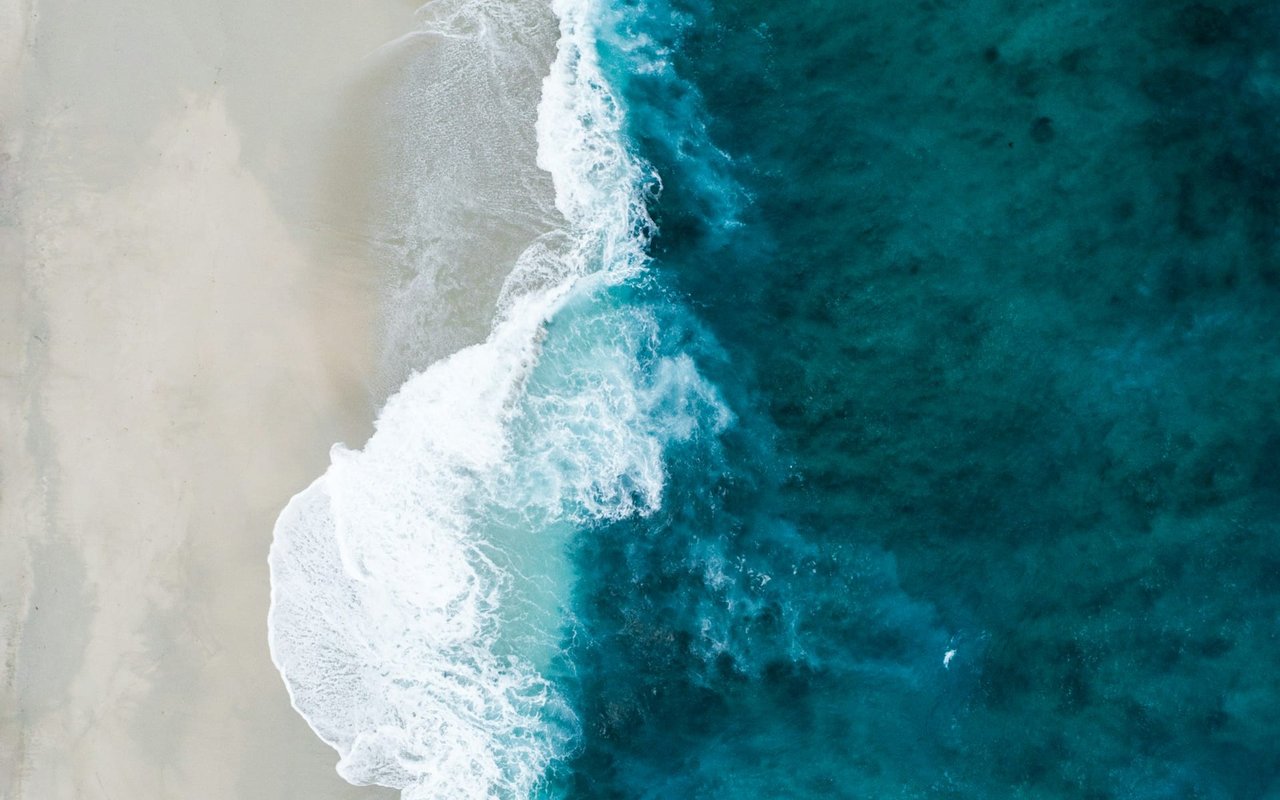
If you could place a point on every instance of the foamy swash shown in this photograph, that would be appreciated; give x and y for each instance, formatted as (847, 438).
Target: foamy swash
(419, 585)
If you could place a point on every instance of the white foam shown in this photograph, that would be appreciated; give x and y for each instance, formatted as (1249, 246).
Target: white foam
(385, 620)
(419, 585)
(598, 183)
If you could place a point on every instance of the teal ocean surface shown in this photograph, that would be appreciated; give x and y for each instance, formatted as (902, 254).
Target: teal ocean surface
(909, 426)
(1001, 283)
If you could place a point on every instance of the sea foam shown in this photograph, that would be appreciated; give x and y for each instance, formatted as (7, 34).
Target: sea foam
(419, 586)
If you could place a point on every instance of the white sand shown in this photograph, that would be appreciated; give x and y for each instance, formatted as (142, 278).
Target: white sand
(186, 325)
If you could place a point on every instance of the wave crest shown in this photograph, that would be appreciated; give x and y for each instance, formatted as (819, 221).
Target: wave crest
(419, 587)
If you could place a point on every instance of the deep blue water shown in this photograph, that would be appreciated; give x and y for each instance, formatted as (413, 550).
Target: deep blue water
(994, 291)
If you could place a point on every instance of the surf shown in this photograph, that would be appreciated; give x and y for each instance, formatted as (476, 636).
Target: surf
(421, 586)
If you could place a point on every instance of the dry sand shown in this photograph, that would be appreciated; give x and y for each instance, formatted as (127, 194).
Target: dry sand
(186, 326)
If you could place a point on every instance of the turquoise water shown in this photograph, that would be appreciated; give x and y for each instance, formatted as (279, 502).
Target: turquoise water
(994, 290)
(890, 413)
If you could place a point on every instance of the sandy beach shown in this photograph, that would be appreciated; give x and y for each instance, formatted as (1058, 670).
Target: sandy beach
(189, 296)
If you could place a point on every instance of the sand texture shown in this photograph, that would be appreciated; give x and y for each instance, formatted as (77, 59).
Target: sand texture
(188, 318)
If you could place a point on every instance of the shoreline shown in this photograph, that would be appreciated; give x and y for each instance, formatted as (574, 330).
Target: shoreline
(469, 217)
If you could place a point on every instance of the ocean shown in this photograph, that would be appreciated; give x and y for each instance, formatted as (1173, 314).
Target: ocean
(883, 404)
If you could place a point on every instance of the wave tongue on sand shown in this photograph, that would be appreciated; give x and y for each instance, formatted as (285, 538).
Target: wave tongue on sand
(419, 586)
